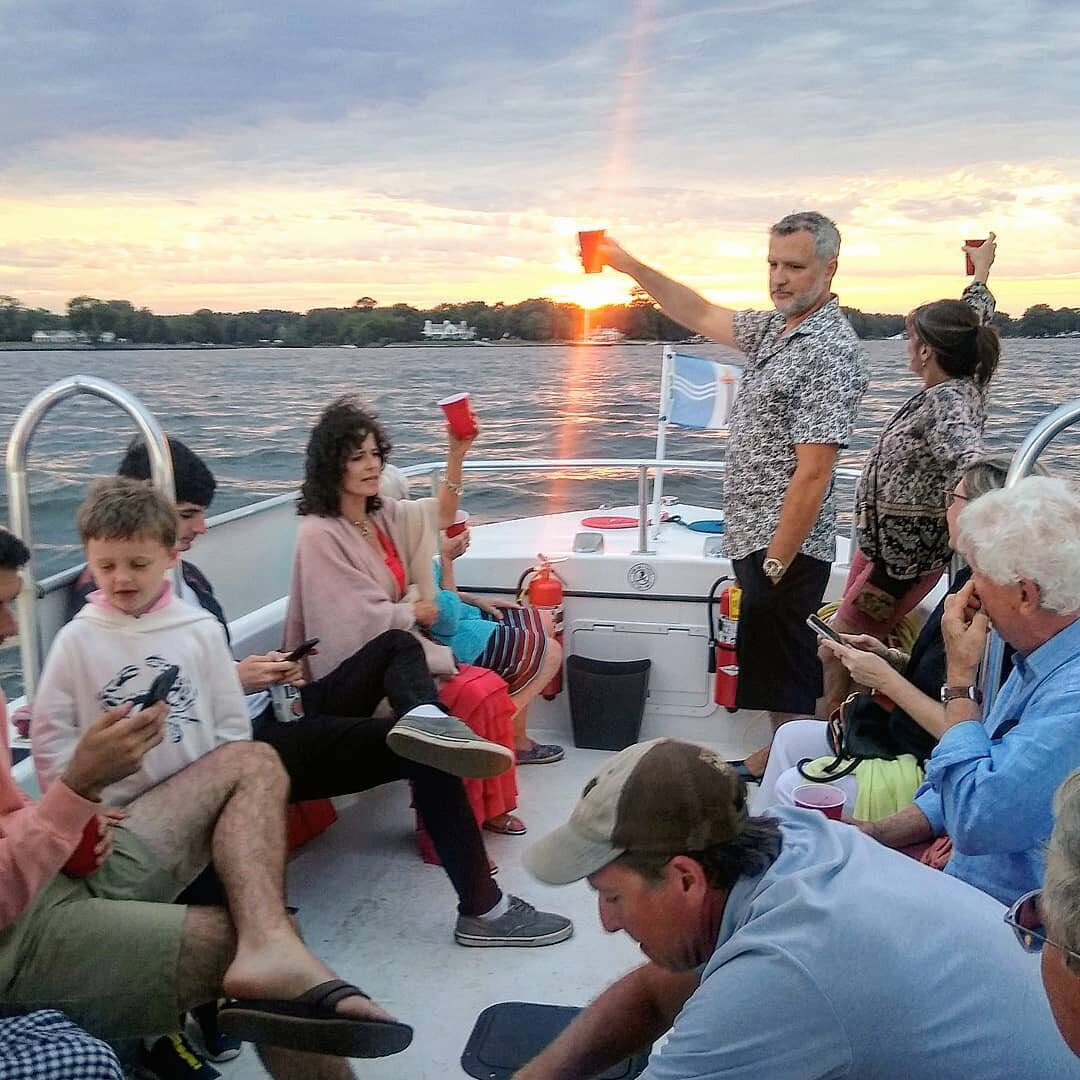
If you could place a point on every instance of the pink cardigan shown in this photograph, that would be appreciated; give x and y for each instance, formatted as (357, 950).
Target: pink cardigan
(36, 839)
(343, 593)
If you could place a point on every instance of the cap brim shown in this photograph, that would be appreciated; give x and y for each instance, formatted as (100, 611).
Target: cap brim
(565, 856)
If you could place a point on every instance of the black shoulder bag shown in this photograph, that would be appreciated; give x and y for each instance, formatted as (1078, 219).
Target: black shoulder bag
(858, 731)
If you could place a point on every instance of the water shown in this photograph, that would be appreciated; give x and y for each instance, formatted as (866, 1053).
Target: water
(248, 411)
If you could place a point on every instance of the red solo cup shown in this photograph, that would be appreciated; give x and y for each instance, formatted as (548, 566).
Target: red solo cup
(459, 415)
(461, 521)
(827, 798)
(82, 862)
(590, 243)
(969, 266)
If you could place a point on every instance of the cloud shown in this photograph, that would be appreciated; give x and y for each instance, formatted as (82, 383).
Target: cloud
(171, 139)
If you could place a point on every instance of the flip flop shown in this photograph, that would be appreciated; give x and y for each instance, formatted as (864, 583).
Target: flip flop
(310, 1023)
(515, 827)
(744, 773)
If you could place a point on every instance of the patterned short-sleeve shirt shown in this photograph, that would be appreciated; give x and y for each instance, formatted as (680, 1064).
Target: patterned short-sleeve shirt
(802, 387)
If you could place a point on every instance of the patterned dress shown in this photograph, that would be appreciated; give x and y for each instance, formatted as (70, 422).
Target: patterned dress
(917, 458)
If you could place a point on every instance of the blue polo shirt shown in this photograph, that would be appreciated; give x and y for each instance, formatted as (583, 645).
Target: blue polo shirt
(847, 959)
(990, 784)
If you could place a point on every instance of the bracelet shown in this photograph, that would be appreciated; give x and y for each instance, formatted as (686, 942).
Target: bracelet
(455, 489)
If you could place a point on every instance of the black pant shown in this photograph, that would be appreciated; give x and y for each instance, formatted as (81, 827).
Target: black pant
(778, 664)
(340, 749)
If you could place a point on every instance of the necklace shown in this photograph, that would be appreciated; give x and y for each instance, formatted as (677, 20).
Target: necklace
(364, 527)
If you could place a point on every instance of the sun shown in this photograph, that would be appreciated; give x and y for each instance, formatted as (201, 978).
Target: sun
(593, 290)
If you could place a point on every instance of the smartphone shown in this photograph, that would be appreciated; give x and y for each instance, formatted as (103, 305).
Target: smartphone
(160, 687)
(823, 629)
(302, 650)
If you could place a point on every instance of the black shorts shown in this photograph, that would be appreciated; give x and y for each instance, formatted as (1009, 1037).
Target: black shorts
(778, 665)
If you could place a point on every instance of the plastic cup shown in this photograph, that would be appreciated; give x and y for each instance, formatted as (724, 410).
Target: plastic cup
(589, 242)
(461, 521)
(827, 798)
(459, 415)
(82, 862)
(969, 266)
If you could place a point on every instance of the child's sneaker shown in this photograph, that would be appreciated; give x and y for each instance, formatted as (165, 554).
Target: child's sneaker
(219, 1047)
(172, 1057)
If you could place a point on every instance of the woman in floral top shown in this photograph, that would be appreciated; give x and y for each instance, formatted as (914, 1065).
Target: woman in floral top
(902, 535)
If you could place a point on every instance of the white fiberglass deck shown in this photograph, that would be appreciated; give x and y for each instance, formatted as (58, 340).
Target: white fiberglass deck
(384, 919)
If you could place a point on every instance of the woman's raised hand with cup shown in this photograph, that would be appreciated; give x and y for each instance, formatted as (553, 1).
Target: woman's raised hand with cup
(980, 256)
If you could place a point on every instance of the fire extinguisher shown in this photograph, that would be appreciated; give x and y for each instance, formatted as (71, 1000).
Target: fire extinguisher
(723, 660)
(541, 588)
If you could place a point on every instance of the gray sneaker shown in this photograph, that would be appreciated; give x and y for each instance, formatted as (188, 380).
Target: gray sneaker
(445, 743)
(522, 927)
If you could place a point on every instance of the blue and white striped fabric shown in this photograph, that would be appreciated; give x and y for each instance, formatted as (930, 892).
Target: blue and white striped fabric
(46, 1045)
(702, 392)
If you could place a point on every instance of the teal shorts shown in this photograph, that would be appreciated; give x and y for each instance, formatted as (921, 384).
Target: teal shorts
(103, 949)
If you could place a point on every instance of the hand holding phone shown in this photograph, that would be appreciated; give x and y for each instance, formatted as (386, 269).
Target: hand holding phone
(160, 687)
(823, 629)
(302, 650)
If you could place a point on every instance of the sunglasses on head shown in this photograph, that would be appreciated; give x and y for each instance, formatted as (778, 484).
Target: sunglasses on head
(1025, 918)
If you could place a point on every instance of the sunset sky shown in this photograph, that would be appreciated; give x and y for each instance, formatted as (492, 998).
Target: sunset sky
(270, 154)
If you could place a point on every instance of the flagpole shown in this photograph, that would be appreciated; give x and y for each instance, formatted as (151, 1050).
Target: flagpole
(661, 434)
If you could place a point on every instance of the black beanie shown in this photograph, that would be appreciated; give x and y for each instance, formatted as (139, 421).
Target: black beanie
(195, 483)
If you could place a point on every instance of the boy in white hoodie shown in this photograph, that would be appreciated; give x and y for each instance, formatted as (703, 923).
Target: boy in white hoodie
(133, 629)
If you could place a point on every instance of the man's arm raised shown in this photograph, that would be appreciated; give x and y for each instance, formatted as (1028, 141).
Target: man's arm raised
(627, 1017)
(681, 303)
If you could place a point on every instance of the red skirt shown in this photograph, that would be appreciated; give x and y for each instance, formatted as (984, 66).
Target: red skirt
(480, 698)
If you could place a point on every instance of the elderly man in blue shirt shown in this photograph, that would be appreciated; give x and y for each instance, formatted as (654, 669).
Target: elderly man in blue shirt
(991, 779)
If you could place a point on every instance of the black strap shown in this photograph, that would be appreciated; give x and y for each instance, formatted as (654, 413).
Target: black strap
(838, 774)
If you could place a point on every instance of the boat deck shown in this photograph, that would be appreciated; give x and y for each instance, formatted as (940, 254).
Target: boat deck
(384, 919)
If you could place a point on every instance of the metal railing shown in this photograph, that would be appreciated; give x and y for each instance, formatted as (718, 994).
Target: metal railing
(19, 490)
(643, 466)
(1022, 464)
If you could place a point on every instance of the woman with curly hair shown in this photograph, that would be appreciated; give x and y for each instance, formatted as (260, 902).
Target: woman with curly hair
(364, 565)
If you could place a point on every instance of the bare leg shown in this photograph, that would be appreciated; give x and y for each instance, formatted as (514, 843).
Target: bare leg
(208, 948)
(757, 761)
(524, 697)
(231, 804)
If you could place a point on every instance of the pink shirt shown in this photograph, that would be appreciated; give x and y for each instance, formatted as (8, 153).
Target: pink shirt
(36, 839)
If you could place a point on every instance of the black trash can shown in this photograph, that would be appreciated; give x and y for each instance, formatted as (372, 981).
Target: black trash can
(607, 701)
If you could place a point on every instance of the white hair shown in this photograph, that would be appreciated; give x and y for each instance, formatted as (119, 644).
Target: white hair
(1031, 532)
(1061, 887)
(393, 483)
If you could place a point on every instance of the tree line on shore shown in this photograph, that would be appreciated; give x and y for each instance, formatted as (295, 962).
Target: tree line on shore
(368, 323)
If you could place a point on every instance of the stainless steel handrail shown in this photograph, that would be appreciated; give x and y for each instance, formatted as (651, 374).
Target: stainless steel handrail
(1023, 462)
(19, 491)
(643, 466)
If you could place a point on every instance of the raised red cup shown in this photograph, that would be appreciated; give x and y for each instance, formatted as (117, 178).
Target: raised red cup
(461, 521)
(589, 242)
(969, 266)
(827, 798)
(83, 862)
(459, 415)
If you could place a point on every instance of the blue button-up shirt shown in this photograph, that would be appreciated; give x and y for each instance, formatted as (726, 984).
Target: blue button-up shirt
(990, 784)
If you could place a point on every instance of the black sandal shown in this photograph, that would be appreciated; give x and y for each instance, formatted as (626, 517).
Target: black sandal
(311, 1023)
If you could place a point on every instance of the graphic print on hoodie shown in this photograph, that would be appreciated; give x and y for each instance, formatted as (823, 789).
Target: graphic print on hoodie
(127, 686)
(105, 657)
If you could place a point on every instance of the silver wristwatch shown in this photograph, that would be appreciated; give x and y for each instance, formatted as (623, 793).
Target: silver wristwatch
(773, 569)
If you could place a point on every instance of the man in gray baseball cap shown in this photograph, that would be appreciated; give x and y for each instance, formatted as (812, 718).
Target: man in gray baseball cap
(782, 946)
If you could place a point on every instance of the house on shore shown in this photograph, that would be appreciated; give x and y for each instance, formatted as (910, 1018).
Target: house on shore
(448, 331)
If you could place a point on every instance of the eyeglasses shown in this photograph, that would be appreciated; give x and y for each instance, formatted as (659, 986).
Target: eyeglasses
(951, 497)
(1025, 918)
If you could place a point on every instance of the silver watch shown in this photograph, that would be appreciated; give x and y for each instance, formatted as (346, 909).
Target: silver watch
(773, 569)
